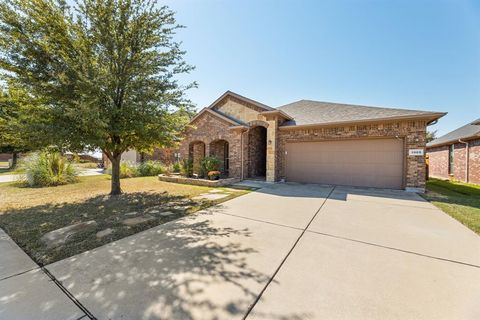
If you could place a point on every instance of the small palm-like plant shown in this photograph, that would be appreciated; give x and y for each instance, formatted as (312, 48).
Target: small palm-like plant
(49, 169)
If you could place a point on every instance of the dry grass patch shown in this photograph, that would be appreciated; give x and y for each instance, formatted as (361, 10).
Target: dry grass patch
(29, 213)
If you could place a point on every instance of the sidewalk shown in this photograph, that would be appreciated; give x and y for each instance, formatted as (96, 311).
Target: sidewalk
(86, 172)
(26, 292)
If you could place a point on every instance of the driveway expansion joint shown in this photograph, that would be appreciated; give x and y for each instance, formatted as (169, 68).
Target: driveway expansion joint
(261, 221)
(18, 274)
(69, 295)
(286, 256)
(394, 249)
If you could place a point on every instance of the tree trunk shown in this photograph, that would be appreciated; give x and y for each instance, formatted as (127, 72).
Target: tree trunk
(116, 175)
(14, 160)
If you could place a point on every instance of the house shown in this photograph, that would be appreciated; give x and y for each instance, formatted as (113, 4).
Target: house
(166, 156)
(456, 155)
(312, 142)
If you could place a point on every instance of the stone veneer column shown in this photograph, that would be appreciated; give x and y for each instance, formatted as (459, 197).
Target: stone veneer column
(271, 148)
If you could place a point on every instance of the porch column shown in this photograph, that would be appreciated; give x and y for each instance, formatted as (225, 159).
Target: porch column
(271, 148)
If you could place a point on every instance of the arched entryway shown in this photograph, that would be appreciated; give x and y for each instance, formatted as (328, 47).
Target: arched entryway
(220, 150)
(196, 153)
(257, 152)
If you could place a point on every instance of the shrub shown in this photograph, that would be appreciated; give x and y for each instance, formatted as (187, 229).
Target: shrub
(187, 167)
(150, 168)
(213, 175)
(176, 167)
(49, 169)
(127, 170)
(208, 164)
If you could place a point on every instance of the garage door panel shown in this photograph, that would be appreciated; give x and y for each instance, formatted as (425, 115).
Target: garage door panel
(361, 162)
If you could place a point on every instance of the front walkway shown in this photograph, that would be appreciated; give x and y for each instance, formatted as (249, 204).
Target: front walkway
(85, 172)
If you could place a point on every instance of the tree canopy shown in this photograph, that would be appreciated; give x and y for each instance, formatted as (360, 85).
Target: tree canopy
(20, 120)
(105, 70)
(431, 135)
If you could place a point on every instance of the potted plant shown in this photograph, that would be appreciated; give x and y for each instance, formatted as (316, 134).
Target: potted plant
(213, 175)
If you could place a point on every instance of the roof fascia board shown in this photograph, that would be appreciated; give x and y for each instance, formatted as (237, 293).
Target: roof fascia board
(428, 116)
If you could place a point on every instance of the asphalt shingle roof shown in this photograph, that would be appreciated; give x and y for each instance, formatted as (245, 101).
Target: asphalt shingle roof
(305, 112)
(467, 131)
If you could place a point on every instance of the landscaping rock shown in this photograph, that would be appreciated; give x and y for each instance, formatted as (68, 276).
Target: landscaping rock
(166, 213)
(104, 233)
(181, 208)
(137, 220)
(60, 236)
(133, 213)
(210, 196)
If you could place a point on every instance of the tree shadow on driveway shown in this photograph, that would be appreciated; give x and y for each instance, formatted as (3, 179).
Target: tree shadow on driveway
(207, 266)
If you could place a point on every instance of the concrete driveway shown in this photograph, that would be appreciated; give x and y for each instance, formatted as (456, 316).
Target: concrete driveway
(288, 251)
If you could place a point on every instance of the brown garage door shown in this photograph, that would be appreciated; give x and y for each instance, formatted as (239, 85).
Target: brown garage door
(366, 162)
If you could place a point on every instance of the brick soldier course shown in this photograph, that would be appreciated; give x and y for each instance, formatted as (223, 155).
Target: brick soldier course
(257, 134)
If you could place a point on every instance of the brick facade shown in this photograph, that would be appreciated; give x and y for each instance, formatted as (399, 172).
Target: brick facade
(257, 146)
(439, 162)
(208, 129)
(412, 132)
(5, 156)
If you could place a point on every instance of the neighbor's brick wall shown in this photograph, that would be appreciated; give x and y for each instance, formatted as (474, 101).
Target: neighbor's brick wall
(438, 159)
(459, 157)
(474, 168)
(5, 156)
(413, 132)
(164, 155)
(209, 128)
(438, 162)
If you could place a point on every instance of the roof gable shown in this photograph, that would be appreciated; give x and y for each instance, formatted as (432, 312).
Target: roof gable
(216, 114)
(247, 101)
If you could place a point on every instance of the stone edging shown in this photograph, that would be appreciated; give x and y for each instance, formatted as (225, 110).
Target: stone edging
(198, 182)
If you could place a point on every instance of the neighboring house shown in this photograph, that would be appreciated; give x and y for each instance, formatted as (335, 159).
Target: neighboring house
(166, 156)
(456, 155)
(313, 142)
(5, 157)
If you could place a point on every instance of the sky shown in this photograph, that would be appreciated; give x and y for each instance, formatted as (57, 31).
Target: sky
(419, 54)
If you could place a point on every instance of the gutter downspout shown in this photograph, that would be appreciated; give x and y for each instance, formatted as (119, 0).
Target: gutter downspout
(467, 160)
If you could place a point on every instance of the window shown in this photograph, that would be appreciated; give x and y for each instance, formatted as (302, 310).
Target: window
(451, 151)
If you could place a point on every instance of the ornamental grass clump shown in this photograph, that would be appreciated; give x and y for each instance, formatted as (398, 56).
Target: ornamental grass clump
(48, 168)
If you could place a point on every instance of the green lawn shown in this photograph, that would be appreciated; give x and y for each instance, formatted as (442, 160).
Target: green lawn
(28, 213)
(459, 200)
